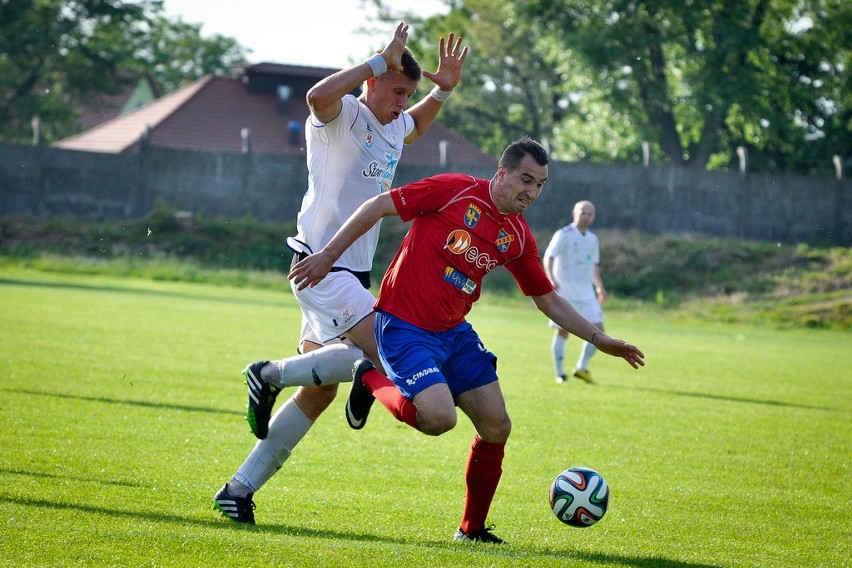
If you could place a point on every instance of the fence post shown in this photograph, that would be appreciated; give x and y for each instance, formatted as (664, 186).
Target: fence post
(36, 124)
(646, 153)
(838, 166)
(443, 152)
(245, 134)
(742, 153)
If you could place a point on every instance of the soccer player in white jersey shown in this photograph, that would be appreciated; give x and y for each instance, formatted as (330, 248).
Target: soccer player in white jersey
(353, 148)
(571, 261)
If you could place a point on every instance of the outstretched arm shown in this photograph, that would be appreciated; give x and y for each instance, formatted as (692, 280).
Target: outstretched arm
(324, 97)
(315, 267)
(451, 56)
(560, 311)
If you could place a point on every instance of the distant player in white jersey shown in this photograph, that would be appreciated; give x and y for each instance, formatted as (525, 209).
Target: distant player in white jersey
(571, 261)
(353, 148)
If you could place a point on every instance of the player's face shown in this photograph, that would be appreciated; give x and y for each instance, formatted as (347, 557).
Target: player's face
(388, 95)
(518, 188)
(584, 216)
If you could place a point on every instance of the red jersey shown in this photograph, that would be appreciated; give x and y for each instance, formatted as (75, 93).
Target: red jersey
(457, 237)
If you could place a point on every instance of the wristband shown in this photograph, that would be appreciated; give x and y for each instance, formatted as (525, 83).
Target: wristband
(592, 340)
(378, 64)
(439, 94)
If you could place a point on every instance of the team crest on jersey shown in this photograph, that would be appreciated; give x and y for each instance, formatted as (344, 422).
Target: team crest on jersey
(503, 241)
(471, 216)
(368, 137)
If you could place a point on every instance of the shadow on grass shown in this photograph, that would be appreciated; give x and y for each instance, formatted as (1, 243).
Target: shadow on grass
(75, 478)
(144, 291)
(277, 529)
(126, 402)
(726, 398)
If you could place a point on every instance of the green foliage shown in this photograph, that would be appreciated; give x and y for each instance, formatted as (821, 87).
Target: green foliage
(123, 414)
(695, 79)
(175, 53)
(56, 57)
(727, 279)
(213, 243)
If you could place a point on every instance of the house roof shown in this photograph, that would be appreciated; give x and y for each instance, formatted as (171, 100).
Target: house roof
(211, 113)
(103, 107)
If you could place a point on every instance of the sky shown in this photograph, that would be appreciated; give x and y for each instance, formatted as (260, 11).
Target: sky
(283, 31)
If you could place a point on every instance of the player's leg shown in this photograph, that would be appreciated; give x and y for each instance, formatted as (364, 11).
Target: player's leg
(471, 373)
(334, 308)
(487, 410)
(414, 390)
(592, 312)
(426, 405)
(557, 349)
(327, 365)
(587, 350)
(294, 419)
(287, 427)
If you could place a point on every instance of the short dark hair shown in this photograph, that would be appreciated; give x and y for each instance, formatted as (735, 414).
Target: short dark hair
(515, 152)
(410, 66)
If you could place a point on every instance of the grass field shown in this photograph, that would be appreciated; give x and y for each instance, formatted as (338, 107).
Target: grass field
(122, 416)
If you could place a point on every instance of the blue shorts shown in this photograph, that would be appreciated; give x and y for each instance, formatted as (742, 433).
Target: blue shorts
(416, 359)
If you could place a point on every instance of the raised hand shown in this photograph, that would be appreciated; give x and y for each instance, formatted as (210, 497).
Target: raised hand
(392, 53)
(451, 56)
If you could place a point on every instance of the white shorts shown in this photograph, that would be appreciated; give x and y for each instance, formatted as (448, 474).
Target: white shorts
(332, 307)
(591, 311)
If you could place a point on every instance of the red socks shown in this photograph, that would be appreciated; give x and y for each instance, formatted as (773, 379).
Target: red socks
(484, 468)
(386, 392)
(484, 464)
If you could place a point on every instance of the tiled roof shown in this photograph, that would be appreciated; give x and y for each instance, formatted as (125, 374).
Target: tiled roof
(122, 134)
(104, 107)
(211, 113)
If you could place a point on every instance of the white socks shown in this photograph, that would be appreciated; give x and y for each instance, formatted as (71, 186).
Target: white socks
(557, 347)
(286, 429)
(585, 354)
(325, 366)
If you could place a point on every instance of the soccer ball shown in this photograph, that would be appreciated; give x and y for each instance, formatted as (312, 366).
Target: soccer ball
(579, 496)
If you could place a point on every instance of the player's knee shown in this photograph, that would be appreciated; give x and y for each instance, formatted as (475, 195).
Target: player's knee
(313, 401)
(496, 431)
(436, 423)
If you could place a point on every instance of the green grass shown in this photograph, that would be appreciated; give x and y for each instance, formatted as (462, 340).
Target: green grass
(122, 416)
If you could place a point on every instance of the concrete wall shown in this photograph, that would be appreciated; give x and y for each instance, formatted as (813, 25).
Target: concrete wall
(41, 182)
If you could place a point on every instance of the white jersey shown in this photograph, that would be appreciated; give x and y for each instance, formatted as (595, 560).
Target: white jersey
(354, 141)
(575, 257)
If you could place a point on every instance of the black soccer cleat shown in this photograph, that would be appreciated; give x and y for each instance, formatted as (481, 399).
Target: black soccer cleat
(360, 400)
(261, 398)
(238, 509)
(482, 535)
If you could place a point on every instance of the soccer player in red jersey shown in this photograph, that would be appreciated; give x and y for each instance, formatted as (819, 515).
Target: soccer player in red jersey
(462, 228)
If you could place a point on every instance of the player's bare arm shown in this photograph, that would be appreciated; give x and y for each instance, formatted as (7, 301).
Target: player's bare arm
(324, 97)
(311, 270)
(451, 56)
(560, 311)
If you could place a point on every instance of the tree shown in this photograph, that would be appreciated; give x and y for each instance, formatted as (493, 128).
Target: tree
(56, 54)
(508, 87)
(702, 77)
(175, 53)
(695, 78)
